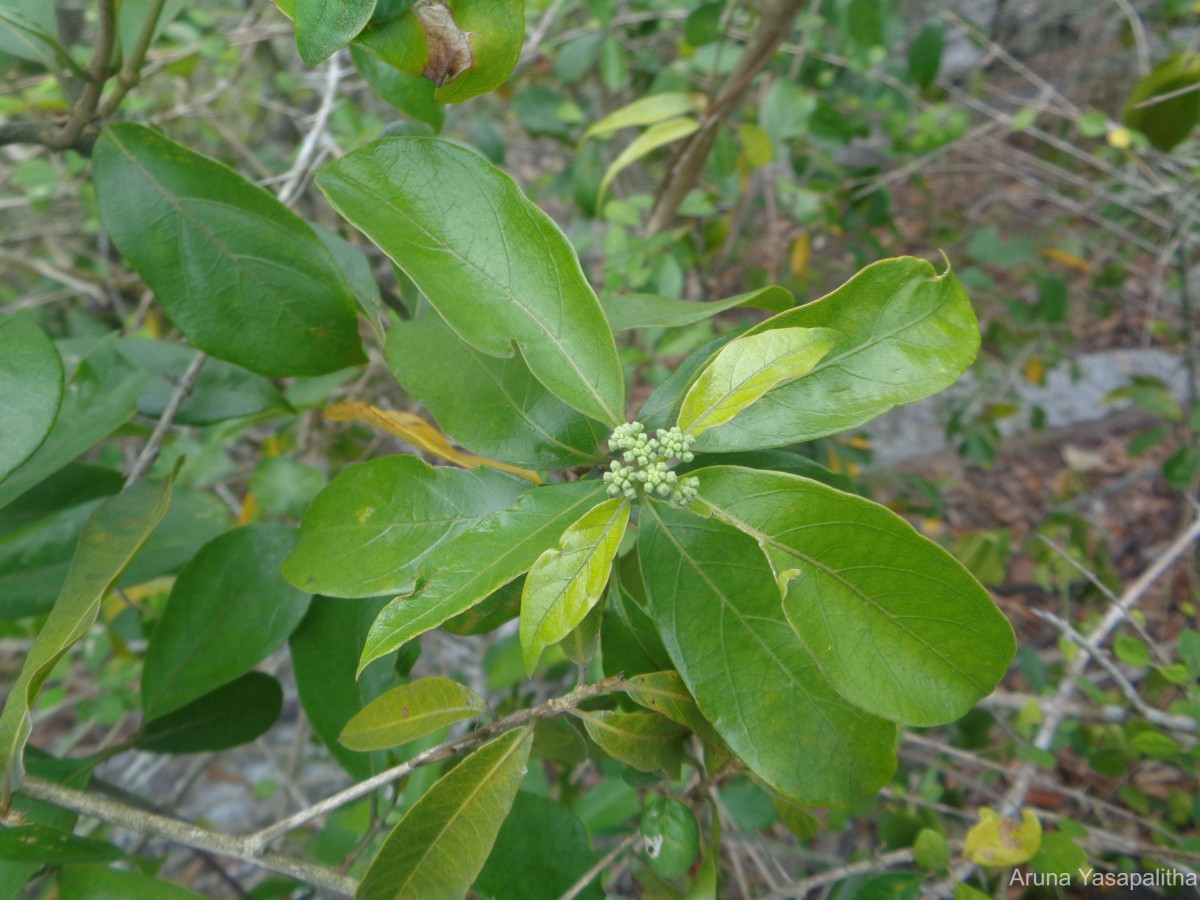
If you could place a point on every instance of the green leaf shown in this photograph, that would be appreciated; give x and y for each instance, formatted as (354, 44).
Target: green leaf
(657, 135)
(906, 333)
(864, 22)
(493, 407)
(746, 369)
(325, 650)
(666, 694)
(101, 883)
(541, 851)
(31, 389)
(131, 20)
(242, 276)
(704, 887)
(672, 836)
(647, 111)
(1059, 855)
(34, 561)
(110, 538)
(629, 642)
(439, 847)
(410, 94)
(1132, 651)
(229, 609)
(234, 714)
(495, 30)
(223, 391)
(565, 582)
(930, 850)
(1166, 122)
(493, 265)
(356, 269)
(325, 26)
(499, 607)
(717, 608)
(409, 711)
(925, 54)
(101, 394)
(646, 741)
(28, 31)
(652, 311)
(703, 26)
(895, 623)
(50, 846)
(371, 528)
(74, 484)
(476, 563)
(661, 408)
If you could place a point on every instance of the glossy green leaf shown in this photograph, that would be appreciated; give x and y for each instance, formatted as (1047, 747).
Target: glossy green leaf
(895, 623)
(671, 834)
(565, 582)
(541, 851)
(1167, 121)
(101, 883)
(666, 694)
(500, 606)
(325, 26)
(629, 642)
(234, 714)
(410, 94)
(476, 563)
(110, 538)
(493, 407)
(906, 333)
(409, 711)
(661, 408)
(717, 607)
(646, 741)
(746, 369)
(493, 265)
(31, 389)
(223, 391)
(242, 276)
(50, 846)
(652, 311)
(74, 484)
(368, 532)
(356, 269)
(325, 650)
(229, 609)
(657, 135)
(100, 395)
(647, 111)
(439, 847)
(194, 519)
(495, 30)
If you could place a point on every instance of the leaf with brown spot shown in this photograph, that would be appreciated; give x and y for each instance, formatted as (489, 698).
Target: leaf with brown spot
(450, 51)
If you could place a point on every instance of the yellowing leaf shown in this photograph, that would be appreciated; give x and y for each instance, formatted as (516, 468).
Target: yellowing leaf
(410, 711)
(996, 842)
(756, 145)
(801, 254)
(647, 111)
(646, 741)
(1070, 260)
(648, 141)
(748, 368)
(565, 583)
(1034, 370)
(420, 434)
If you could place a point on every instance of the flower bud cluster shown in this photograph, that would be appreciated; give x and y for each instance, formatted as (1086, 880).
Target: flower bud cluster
(645, 463)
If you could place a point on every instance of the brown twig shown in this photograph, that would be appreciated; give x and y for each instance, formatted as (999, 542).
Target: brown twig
(774, 24)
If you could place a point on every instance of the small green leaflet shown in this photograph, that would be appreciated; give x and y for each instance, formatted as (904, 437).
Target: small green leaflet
(410, 711)
(565, 583)
(31, 389)
(745, 369)
(651, 139)
(436, 851)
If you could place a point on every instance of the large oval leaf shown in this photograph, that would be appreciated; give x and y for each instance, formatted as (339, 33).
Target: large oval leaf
(746, 368)
(230, 609)
(371, 527)
(566, 581)
(325, 26)
(481, 560)
(494, 266)
(907, 333)
(492, 406)
(897, 625)
(31, 389)
(109, 540)
(409, 711)
(717, 607)
(441, 844)
(243, 277)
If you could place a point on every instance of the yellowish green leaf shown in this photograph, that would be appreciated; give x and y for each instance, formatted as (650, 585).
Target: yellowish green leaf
(658, 135)
(410, 711)
(997, 842)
